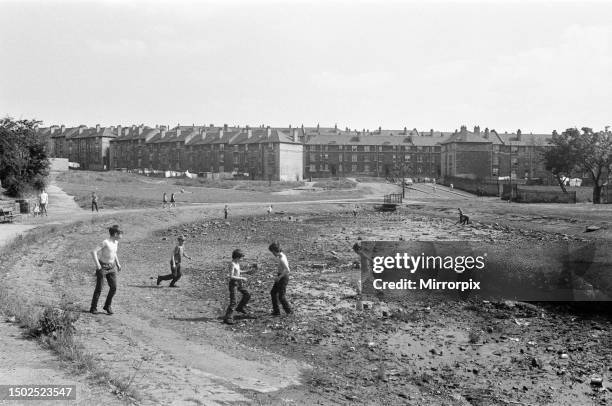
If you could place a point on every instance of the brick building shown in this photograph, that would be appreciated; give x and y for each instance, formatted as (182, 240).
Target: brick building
(487, 154)
(381, 153)
(129, 149)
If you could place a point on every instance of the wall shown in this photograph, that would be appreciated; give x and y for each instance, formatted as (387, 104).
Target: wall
(290, 162)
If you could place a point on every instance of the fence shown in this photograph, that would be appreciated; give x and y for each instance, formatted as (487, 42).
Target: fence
(537, 195)
(484, 187)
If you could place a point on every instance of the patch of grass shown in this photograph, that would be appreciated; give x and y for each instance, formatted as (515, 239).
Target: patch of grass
(334, 184)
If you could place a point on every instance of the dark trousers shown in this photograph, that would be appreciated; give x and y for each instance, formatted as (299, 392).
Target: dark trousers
(235, 285)
(94, 204)
(278, 295)
(43, 209)
(226, 215)
(174, 276)
(111, 278)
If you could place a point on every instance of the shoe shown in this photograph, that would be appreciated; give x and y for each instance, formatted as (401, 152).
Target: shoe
(242, 310)
(158, 280)
(93, 311)
(173, 286)
(108, 310)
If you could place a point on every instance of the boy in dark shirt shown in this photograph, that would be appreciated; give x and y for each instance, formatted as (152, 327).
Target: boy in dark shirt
(175, 264)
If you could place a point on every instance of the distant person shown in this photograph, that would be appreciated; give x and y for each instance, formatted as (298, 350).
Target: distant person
(226, 211)
(463, 219)
(451, 186)
(94, 202)
(236, 283)
(164, 200)
(355, 210)
(36, 210)
(105, 258)
(269, 210)
(43, 200)
(279, 289)
(175, 263)
(172, 200)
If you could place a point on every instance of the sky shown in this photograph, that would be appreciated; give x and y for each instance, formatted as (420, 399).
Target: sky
(506, 65)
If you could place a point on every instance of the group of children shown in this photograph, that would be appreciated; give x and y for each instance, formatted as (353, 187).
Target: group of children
(165, 200)
(106, 261)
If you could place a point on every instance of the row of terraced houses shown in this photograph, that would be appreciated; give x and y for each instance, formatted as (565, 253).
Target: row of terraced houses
(294, 153)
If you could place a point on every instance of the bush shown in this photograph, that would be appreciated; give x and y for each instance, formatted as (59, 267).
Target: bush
(56, 322)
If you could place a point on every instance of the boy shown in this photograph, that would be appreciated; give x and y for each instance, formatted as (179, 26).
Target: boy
(226, 211)
(269, 210)
(280, 282)
(36, 211)
(172, 200)
(164, 200)
(235, 282)
(94, 202)
(105, 258)
(43, 200)
(175, 264)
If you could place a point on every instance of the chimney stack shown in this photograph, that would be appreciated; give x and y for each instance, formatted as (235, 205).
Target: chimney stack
(268, 132)
(519, 135)
(463, 130)
(62, 129)
(178, 132)
(477, 130)
(249, 132)
(486, 132)
(119, 128)
(225, 127)
(97, 128)
(162, 133)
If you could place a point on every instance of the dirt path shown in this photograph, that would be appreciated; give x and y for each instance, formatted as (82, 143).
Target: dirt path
(23, 361)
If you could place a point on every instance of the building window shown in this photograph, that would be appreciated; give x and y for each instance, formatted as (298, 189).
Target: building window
(354, 148)
(354, 158)
(340, 158)
(354, 168)
(495, 171)
(313, 168)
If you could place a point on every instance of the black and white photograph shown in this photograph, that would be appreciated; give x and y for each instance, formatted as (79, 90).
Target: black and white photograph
(306, 202)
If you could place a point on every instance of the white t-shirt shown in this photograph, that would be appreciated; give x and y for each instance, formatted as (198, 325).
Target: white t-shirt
(234, 271)
(44, 198)
(282, 263)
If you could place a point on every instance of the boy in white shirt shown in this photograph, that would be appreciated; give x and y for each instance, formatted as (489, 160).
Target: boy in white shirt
(236, 283)
(279, 288)
(43, 200)
(105, 258)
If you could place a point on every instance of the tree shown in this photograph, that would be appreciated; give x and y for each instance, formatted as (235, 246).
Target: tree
(589, 151)
(559, 159)
(23, 160)
(593, 151)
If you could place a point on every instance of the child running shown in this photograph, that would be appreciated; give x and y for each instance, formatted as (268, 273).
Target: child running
(280, 282)
(175, 264)
(236, 283)
(105, 258)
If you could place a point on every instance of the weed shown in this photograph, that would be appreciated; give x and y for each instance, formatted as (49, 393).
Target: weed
(474, 336)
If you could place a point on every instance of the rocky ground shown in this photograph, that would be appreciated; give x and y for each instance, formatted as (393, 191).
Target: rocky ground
(339, 347)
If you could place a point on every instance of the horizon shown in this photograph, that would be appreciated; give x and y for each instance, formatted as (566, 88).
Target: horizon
(507, 65)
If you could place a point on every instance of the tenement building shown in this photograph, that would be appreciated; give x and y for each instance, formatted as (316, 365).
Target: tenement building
(294, 153)
(489, 155)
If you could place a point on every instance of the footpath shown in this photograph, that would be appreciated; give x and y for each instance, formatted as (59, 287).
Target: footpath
(22, 360)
